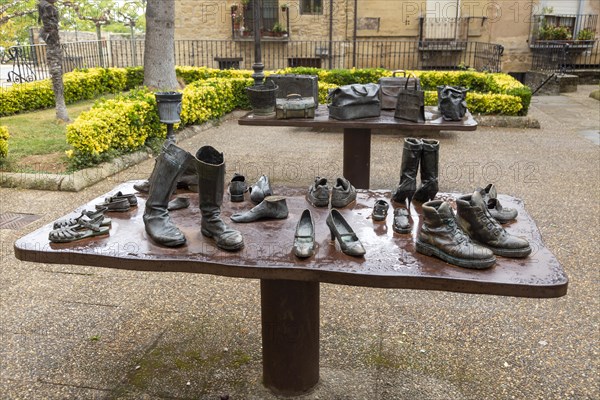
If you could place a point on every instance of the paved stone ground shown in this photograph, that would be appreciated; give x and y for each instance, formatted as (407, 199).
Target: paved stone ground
(73, 332)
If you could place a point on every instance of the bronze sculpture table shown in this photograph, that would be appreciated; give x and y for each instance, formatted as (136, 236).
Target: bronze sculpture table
(290, 286)
(357, 134)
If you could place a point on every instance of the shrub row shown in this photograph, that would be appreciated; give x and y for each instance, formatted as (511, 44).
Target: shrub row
(113, 127)
(3, 141)
(129, 122)
(79, 85)
(489, 93)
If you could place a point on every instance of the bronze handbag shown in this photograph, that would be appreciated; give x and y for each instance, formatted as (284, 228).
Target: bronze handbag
(452, 102)
(389, 87)
(354, 101)
(411, 103)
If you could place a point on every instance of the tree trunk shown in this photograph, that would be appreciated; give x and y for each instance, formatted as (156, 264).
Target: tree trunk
(159, 56)
(49, 33)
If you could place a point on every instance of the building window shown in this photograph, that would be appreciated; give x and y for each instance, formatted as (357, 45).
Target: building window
(311, 6)
(269, 15)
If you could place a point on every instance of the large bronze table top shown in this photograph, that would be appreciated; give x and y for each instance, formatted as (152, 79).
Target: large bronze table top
(357, 134)
(391, 260)
(290, 296)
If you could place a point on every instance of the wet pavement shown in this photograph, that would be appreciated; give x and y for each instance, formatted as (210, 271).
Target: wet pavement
(74, 332)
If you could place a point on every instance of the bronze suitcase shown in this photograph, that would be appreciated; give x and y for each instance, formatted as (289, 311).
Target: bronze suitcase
(304, 85)
(295, 106)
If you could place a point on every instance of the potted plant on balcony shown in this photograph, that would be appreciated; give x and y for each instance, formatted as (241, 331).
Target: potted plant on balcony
(551, 32)
(238, 21)
(284, 7)
(586, 34)
(278, 30)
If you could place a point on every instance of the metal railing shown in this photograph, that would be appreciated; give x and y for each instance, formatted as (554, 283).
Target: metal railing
(444, 29)
(389, 54)
(563, 57)
(580, 28)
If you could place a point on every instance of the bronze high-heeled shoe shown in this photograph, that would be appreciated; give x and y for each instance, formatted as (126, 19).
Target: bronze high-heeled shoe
(340, 230)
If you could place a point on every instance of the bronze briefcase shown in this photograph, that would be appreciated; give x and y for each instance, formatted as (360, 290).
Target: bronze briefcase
(295, 106)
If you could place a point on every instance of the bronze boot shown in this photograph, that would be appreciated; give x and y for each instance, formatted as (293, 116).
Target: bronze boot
(475, 218)
(440, 236)
(411, 155)
(429, 171)
(211, 186)
(170, 164)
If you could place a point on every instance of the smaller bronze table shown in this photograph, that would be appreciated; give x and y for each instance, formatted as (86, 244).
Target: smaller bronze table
(357, 134)
(290, 286)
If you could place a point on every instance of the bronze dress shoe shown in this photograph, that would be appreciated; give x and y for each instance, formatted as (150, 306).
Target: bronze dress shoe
(304, 238)
(272, 207)
(261, 189)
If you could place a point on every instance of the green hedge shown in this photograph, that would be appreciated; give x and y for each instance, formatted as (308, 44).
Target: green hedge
(79, 85)
(113, 127)
(3, 141)
(129, 122)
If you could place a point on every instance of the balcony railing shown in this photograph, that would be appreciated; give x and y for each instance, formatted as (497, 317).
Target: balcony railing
(578, 30)
(564, 57)
(390, 54)
(435, 32)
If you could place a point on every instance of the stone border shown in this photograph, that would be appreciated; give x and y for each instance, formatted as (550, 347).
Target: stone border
(78, 180)
(504, 121)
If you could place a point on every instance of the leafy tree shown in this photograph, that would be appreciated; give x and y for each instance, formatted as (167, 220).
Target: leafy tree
(16, 16)
(10, 9)
(98, 12)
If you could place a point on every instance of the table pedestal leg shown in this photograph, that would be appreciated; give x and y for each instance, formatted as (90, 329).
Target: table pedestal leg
(357, 156)
(290, 335)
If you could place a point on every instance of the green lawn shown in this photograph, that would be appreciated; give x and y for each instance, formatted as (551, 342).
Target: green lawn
(39, 133)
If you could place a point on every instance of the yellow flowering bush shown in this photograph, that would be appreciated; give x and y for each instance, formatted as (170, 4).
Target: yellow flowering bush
(79, 85)
(113, 127)
(3, 141)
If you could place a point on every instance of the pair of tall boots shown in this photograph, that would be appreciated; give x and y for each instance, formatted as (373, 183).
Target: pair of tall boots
(417, 153)
(210, 169)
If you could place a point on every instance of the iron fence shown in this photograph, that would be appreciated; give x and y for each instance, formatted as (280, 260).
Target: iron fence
(565, 57)
(30, 63)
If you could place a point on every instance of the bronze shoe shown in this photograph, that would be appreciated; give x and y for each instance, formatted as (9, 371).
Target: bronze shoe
(343, 233)
(304, 238)
(272, 207)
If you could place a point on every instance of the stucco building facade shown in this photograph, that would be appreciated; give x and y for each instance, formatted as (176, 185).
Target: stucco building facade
(510, 23)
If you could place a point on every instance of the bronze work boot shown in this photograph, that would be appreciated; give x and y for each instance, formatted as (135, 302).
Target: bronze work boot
(440, 236)
(500, 214)
(475, 218)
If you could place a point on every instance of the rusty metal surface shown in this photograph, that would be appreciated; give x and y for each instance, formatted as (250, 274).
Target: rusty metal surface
(390, 262)
(433, 121)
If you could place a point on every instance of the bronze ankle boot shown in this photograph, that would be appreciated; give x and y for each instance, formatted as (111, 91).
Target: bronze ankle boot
(441, 237)
(475, 218)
